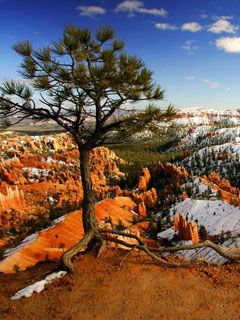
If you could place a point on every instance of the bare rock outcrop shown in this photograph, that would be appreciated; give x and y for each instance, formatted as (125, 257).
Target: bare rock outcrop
(53, 242)
(187, 230)
(13, 199)
(170, 170)
(144, 180)
(224, 188)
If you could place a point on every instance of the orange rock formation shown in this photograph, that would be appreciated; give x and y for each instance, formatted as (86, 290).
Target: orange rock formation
(14, 199)
(44, 174)
(186, 230)
(228, 193)
(51, 243)
(144, 180)
(175, 222)
(168, 169)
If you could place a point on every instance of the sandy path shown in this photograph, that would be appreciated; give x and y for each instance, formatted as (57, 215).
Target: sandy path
(103, 290)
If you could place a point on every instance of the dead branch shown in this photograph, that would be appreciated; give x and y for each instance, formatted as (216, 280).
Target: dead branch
(124, 234)
(146, 250)
(230, 254)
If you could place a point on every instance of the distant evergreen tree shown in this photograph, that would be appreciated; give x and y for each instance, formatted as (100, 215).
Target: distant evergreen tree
(202, 233)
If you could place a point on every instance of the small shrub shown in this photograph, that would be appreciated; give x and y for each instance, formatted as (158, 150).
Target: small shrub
(159, 224)
(202, 233)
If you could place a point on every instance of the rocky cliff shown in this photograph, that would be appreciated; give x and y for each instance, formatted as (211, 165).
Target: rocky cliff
(68, 230)
(206, 116)
(223, 187)
(42, 174)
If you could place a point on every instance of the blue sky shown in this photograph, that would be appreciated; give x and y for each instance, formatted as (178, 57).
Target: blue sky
(193, 46)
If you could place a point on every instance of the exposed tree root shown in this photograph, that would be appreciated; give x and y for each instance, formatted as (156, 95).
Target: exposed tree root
(230, 254)
(102, 247)
(103, 235)
(144, 248)
(81, 246)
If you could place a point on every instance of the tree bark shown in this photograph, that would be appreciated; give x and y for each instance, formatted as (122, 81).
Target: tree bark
(90, 224)
(88, 215)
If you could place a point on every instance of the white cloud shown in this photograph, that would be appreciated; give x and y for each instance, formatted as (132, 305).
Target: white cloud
(165, 26)
(212, 84)
(189, 46)
(223, 25)
(134, 6)
(91, 11)
(129, 6)
(190, 78)
(192, 27)
(229, 44)
(156, 12)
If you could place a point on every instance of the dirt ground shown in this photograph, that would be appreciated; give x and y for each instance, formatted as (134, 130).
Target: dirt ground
(111, 288)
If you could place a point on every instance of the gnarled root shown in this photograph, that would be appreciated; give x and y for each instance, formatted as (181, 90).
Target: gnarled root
(102, 246)
(81, 246)
(232, 254)
(141, 247)
(154, 253)
(102, 235)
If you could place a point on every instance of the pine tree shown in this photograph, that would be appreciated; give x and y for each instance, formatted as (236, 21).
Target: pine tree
(159, 224)
(202, 233)
(83, 80)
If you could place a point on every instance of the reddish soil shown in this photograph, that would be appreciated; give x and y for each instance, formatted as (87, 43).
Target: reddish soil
(111, 288)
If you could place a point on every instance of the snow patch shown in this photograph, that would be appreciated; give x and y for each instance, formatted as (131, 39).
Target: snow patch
(215, 215)
(38, 286)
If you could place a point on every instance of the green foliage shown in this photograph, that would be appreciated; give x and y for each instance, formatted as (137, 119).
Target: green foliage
(168, 219)
(83, 76)
(137, 121)
(222, 237)
(202, 233)
(140, 154)
(24, 48)
(152, 231)
(56, 212)
(16, 87)
(159, 224)
(105, 34)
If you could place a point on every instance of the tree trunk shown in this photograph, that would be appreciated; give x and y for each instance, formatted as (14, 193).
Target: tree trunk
(90, 224)
(88, 215)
